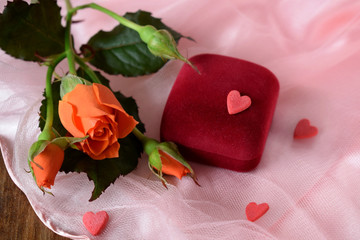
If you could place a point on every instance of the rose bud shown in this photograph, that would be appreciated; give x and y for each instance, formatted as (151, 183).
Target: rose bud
(171, 166)
(94, 111)
(162, 44)
(166, 158)
(46, 165)
(46, 157)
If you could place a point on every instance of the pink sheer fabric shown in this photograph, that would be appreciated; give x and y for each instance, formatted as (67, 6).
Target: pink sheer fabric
(311, 185)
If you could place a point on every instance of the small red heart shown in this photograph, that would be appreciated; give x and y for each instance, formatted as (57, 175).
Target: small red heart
(305, 130)
(95, 223)
(255, 211)
(237, 103)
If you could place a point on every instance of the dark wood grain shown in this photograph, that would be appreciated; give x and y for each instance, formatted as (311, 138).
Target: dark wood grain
(18, 221)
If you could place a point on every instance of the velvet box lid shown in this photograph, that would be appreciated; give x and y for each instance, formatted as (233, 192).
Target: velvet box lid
(196, 117)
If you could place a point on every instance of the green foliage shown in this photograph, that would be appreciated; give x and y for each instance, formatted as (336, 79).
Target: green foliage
(121, 51)
(30, 30)
(102, 172)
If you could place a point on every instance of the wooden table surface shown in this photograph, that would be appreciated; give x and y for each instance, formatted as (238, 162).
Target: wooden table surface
(18, 221)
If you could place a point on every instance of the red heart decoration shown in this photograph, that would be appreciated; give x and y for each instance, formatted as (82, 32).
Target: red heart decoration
(95, 223)
(237, 103)
(305, 130)
(255, 211)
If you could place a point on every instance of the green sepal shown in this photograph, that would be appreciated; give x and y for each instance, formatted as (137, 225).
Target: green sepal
(69, 82)
(147, 32)
(150, 145)
(171, 149)
(158, 174)
(35, 149)
(155, 160)
(65, 142)
(155, 165)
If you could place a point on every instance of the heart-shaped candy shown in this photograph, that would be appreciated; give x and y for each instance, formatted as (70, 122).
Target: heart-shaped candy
(237, 103)
(255, 211)
(95, 223)
(305, 130)
(196, 116)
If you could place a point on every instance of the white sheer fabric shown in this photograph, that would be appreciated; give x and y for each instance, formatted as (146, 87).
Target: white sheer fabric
(311, 186)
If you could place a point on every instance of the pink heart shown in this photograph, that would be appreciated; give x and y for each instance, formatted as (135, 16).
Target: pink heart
(255, 211)
(237, 103)
(95, 223)
(304, 130)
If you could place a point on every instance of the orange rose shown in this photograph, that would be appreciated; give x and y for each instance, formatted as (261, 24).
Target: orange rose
(50, 161)
(93, 110)
(171, 166)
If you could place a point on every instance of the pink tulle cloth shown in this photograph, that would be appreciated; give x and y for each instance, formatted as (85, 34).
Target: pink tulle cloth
(311, 185)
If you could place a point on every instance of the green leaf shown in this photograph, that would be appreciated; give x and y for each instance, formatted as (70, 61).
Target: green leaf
(121, 51)
(30, 29)
(102, 172)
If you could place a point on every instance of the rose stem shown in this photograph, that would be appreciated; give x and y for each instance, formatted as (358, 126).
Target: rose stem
(149, 144)
(68, 44)
(88, 70)
(47, 133)
(68, 5)
(112, 14)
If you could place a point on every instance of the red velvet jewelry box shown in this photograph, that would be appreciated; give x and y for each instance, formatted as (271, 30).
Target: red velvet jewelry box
(196, 116)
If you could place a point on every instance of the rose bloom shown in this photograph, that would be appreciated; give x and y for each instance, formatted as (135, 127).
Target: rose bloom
(50, 161)
(93, 110)
(171, 166)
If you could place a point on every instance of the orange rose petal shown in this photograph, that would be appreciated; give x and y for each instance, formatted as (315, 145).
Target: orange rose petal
(112, 138)
(66, 113)
(126, 124)
(106, 97)
(111, 117)
(111, 152)
(97, 147)
(84, 99)
(171, 166)
(89, 123)
(100, 133)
